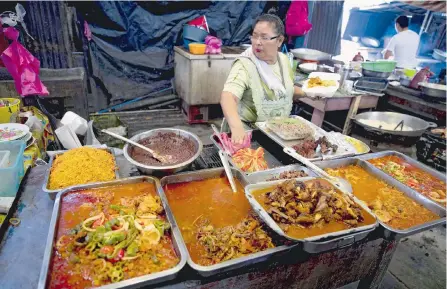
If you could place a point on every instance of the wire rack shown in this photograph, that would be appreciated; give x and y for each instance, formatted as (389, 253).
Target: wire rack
(209, 158)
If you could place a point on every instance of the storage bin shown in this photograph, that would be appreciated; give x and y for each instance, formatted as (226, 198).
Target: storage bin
(4, 159)
(379, 66)
(11, 176)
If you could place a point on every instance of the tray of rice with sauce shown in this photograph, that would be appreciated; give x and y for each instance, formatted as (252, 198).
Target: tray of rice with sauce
(84, 165)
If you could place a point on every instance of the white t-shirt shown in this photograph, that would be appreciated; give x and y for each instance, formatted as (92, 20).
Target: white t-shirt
(404, 46)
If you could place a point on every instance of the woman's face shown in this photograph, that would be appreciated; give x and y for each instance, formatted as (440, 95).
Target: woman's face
(263, 46)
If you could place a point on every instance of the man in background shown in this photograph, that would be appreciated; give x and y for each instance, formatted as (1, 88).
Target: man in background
(404, 45)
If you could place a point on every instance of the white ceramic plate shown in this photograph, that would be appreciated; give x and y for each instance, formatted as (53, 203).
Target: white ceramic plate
(12, 131)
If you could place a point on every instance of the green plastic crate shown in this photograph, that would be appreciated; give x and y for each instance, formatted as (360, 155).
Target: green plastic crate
(379, 66)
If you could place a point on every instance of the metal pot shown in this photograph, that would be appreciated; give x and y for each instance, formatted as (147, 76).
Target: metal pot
(418, 125)
(165, 169)
(433, 89)
(371, 73)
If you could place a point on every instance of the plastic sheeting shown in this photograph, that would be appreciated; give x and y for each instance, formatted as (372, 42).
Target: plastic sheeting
(132, 42)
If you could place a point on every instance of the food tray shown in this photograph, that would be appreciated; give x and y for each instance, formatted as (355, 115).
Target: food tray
(272, 162)
(319, 132)
(440, 176)
(273, 127)
(388, 232)
(263, 176)
(141, 281)
(314, 244)
(372, 84)
(52, 193)
(226, 265)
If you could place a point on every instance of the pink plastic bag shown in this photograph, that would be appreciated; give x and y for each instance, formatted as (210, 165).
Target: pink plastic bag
(213, 45)
(232, 148)
(297, 21)
(23, 66)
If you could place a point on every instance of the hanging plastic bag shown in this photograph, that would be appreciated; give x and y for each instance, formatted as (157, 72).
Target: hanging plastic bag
(213, 45)
(297, 21)
(23, 66)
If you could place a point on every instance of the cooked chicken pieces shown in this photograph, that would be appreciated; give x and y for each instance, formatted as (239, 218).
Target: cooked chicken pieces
(308, 204)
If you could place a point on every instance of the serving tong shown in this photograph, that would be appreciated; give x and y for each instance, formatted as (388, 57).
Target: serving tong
(341, 183)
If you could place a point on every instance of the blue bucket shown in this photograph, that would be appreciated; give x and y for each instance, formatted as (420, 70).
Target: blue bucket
(193, 33)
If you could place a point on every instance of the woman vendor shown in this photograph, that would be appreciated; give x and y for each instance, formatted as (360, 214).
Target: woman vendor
(260, 82)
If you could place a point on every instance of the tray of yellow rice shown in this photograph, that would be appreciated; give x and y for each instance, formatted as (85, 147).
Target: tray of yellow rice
(84, 165)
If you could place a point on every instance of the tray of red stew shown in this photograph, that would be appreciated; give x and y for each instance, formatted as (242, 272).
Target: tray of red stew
(415, 175)
(117, 234)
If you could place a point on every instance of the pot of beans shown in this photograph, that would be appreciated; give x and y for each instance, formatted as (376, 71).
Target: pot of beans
(181, 147)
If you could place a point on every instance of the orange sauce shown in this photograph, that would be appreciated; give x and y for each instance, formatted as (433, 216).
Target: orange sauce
(405, 212)
(413, 177)
(299, 232)
(210, 199)
(78, 206)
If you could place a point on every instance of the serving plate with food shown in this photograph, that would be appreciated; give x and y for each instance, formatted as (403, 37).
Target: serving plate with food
(413, 174)
(216, 240)
(400, 210)
(78, 167)
(250, 160)
(116, 234)
(281, 173)
(319, 145)
(309, 210)
(321, 84)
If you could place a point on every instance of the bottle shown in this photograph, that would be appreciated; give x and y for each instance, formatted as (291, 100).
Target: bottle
(358, 57)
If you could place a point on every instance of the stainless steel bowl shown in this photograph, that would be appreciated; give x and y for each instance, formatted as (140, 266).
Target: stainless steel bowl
(371, 73)
(145, 169)
(418, 125)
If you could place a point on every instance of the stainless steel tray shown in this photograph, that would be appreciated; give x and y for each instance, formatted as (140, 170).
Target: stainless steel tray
(145, 280)
(272, 162)
(226, 265)
(319, 132)
(52, 193)
(388, 232)
(440, 176)
(314, 244)
(263, 176)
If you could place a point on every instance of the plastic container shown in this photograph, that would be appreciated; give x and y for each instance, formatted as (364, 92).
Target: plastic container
(194, 33)
(197, 48)
(11, 176)
(4, 159)
(379, 66)
(10, 112)
(77, 124)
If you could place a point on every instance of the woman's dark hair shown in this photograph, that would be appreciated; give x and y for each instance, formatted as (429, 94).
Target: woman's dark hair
(278, 26)
(402, 21)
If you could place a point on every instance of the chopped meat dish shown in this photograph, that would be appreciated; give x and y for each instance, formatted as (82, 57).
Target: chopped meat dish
(231, 242)
(290, 128)
(289, 175)
(311, 204)
(308, 147)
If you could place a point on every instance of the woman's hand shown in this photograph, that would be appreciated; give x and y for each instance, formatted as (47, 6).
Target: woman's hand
(238, 135)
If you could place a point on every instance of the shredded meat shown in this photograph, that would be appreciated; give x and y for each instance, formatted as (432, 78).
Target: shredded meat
(289, 175)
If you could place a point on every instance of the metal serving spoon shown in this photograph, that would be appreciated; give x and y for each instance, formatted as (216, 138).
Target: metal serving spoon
(228, 170)
(343, 184)
(162, 158)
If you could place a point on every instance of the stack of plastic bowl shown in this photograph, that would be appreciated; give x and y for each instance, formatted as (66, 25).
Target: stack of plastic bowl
(193, 34)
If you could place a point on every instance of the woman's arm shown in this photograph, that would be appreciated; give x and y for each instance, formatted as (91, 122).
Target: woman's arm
(228, 101)
(298, 93)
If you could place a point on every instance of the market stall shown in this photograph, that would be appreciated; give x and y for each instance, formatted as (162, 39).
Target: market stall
(327, 253)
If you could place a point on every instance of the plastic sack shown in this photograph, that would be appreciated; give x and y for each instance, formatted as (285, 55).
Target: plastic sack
(23, 66)
(213, 45)
(200, 22)
(232, 148)
(297, 21)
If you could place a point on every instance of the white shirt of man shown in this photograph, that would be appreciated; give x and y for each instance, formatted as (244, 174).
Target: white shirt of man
(404, 46)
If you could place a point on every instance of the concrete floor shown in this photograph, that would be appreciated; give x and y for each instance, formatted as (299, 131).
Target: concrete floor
(419, 262)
